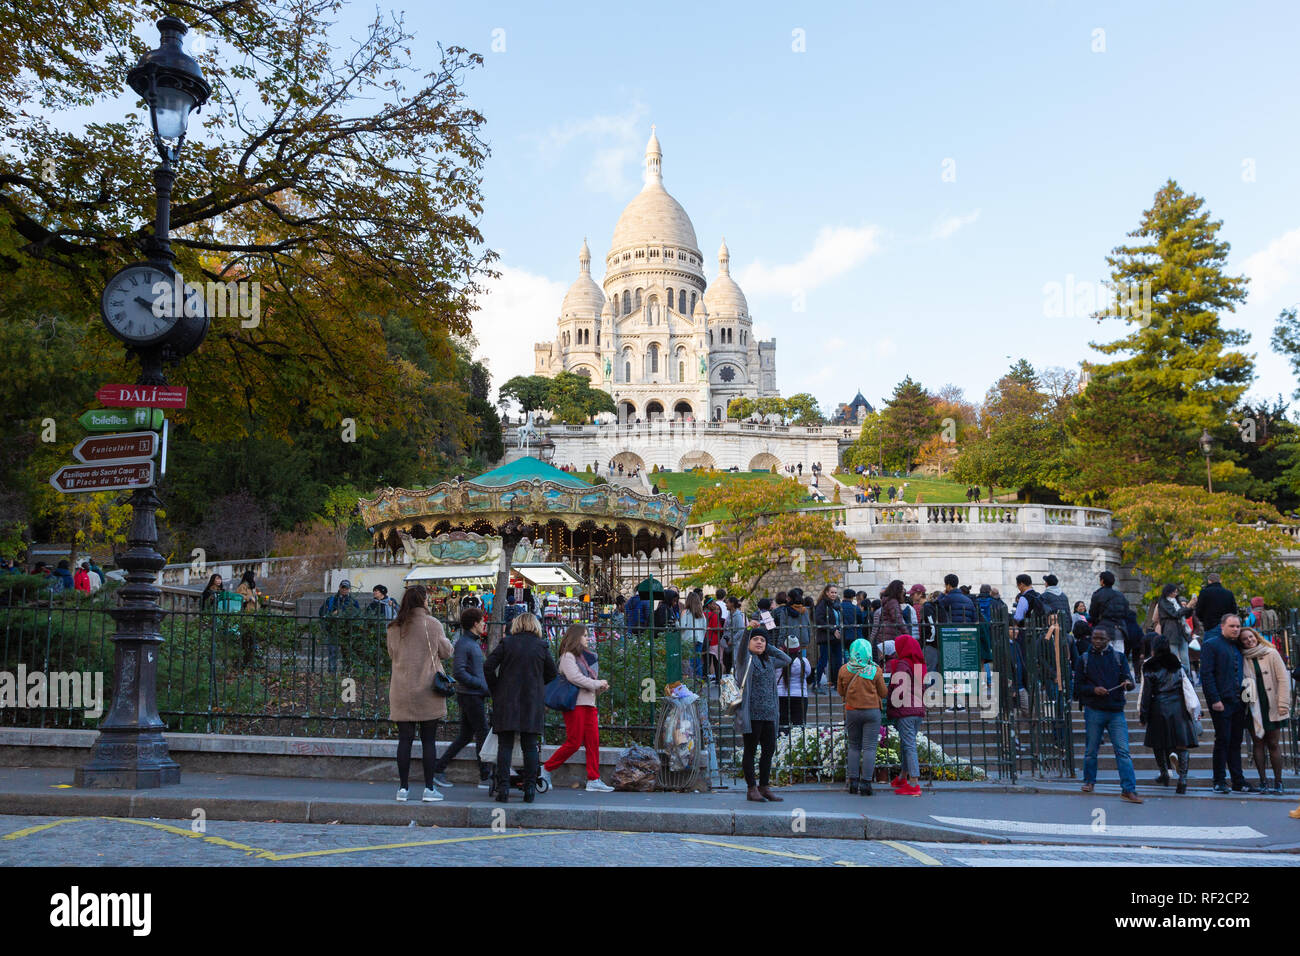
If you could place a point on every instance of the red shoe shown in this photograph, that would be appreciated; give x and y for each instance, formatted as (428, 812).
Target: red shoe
(898, 782)
(914, 790)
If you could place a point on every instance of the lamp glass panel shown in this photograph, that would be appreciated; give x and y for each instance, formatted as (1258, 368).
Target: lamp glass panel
(171, 111)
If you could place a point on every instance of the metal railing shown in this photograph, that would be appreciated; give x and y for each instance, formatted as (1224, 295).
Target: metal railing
(269, 673)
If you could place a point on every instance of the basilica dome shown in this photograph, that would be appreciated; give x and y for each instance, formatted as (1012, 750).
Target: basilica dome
(653, 216)
(584, 298)
(723, 296)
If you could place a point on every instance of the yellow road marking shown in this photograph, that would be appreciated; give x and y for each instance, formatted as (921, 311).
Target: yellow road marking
(180, 831)
(399, 846)
(913, 853)
(60, 786)
(754, 849)
(849, 863)
(19, 834)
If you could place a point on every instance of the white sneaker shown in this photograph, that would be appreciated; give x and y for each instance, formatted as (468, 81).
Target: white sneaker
(598, 786)
(401, 795)
(546, 775)
(431, 796)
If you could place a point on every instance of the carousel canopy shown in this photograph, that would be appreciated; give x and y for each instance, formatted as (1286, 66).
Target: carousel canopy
(528, 469)
(531, 499)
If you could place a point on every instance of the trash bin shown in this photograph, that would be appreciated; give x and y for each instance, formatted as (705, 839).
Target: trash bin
(680, 742)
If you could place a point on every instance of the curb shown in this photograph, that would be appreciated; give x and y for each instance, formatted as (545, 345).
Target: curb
(711, 822)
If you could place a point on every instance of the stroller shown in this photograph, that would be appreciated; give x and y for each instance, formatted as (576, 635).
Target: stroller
(516, 767)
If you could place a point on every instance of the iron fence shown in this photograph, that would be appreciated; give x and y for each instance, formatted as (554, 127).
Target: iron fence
(272, 673)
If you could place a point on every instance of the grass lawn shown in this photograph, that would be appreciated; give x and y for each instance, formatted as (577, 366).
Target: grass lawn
(933, 491)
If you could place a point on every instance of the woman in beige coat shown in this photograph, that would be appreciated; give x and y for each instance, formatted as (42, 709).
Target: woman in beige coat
(1266, 692)
(417, 647)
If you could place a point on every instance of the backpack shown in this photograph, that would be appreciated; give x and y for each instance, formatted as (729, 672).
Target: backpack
(1034, 602)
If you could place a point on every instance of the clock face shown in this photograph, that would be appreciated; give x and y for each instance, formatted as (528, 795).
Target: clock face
(139, 304)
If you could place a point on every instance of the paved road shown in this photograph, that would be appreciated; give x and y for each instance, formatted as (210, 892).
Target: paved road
(103, 841)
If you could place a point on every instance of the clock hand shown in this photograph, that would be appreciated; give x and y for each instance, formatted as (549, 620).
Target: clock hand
(144, 302)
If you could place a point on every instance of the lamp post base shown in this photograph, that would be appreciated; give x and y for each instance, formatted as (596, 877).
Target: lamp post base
(130, 760)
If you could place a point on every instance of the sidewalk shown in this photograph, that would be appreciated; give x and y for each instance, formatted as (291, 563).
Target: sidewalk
(950, 813)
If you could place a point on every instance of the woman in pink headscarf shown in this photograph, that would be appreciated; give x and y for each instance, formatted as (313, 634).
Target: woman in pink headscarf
(906, 675)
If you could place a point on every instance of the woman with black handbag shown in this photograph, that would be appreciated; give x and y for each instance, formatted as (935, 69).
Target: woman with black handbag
(517, 672)
(578, 666)
(417, 646)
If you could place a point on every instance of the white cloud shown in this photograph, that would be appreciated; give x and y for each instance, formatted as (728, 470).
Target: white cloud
(1275, 268)
(946, 228)
(836, 251)
(611, 146)
(515, 311)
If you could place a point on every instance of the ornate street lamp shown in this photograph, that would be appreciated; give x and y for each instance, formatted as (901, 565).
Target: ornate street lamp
(1206, 442)
(130, 750)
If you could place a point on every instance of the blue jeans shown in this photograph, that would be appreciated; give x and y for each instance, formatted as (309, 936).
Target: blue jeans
(831, 653)
(1110, 721)
(908, 727)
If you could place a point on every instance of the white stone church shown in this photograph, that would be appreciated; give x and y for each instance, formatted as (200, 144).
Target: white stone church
(660, 338)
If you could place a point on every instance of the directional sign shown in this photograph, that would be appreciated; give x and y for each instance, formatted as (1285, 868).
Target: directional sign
(117, 449)
(142, 396)
(72, 478)
(121, 420)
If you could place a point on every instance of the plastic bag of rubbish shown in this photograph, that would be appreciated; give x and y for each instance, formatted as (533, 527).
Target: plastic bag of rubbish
(637, 769)
(679, 735)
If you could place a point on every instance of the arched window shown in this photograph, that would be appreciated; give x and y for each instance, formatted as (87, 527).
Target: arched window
(637, 304)
(670, 298)
(627, 302)
(681, 301)
(710, 336)
(692, 312)
(681, 371)
(627, 371)
(598, 336)
(654, 358)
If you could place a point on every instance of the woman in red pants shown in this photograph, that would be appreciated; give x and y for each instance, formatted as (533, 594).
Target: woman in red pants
(578, 665)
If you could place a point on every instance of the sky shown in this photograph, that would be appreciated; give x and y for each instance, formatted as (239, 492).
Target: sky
(899, 185)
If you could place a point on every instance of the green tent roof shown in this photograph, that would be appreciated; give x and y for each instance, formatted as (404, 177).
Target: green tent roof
(526, 469)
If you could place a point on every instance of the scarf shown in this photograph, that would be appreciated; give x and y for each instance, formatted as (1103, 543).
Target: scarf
(860, 662)
(1249, 689)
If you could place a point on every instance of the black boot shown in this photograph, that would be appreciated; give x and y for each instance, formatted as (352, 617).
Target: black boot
(866, 788)
(503, 790)
(1162, 764)
(1184, 759)
(530, 791)
(853, 786)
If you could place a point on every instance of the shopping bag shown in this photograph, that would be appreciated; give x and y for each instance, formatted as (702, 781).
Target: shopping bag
(488, 752)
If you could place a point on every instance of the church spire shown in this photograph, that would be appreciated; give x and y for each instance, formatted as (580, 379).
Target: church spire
(724, 258)
(584, 258)
(653, 159)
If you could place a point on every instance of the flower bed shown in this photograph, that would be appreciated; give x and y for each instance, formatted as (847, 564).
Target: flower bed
(814, 754)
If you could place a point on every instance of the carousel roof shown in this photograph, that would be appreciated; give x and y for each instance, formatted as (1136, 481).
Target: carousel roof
(522, 498)
(528, 469)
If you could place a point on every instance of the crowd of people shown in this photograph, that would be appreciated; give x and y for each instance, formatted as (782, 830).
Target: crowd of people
(88, 577)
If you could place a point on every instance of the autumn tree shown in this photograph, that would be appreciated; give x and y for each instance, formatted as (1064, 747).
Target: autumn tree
(753, 532)
(1176, 534)
(909, 418)
(1020, 440)
(337, 180)
(1176, 370)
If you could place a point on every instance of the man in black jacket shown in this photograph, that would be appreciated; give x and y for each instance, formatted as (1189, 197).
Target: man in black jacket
(1110, 607)
(1213, 602)
(1101, 676)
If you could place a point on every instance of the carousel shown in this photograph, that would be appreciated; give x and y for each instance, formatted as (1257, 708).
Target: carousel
(526, 522)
